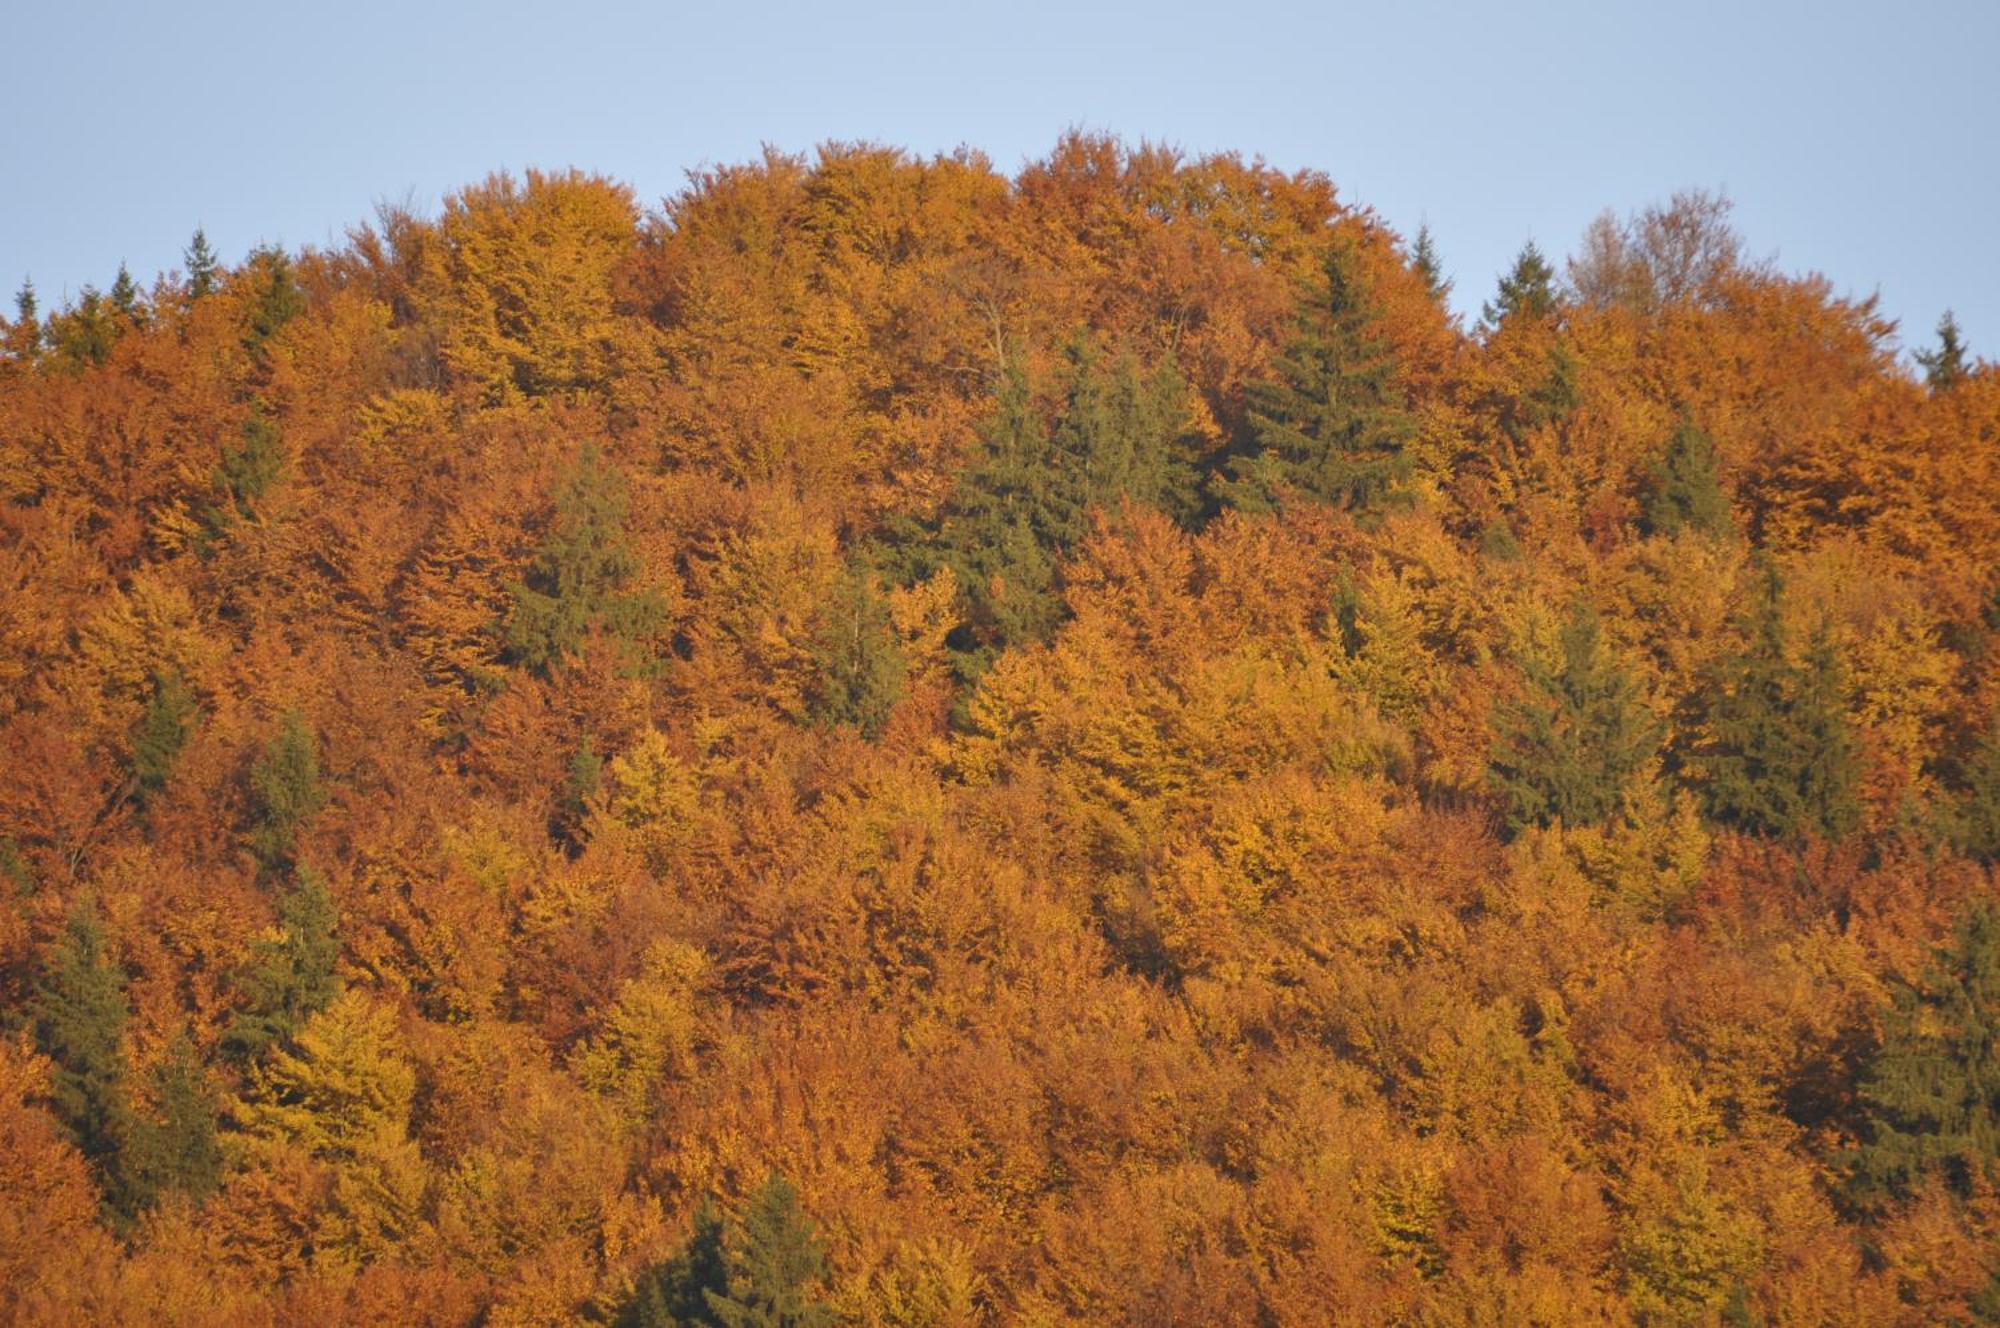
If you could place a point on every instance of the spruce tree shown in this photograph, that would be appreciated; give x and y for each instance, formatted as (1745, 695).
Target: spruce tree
(1779, 757)
(291, 975)
(1974, 816)
(285, 791)
(1945, 367)
(1527, 291)
(1681, 489)
(777, 1262)
(1424, 257)
(1932, 1093)
(276, 297)
(1568, 749)
(125, 296)
(162, 731)
(1332, 425)
(79, 1021)
(859, 660)
(202, 267)
(178, 1150)
(582, 575)
(675, 1294)
(24, 334)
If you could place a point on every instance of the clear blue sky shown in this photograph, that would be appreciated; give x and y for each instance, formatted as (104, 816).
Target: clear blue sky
(1861, 140)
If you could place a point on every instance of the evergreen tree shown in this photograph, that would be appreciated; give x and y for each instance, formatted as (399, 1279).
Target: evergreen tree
(161, 733)
(202, 268)
(1681, 489)
(125, 296)
(676, 1294)
(178, 1150)
(1527, 291)
(285, 791)
(777, 1261)
(24, 335)
(1333, 425)
(860, 665)
(1945, 366)
(1424, 257)
(276, 297)
(1570, 747)
(1975, 815)
(1932, 1094)
(1779, 757)
(291, 975)
(582, 575)
(79, 1021)
(84, 335)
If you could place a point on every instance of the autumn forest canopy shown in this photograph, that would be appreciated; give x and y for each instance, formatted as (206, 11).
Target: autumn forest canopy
(886, 744)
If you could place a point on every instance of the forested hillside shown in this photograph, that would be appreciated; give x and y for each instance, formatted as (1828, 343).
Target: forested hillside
(886, 744)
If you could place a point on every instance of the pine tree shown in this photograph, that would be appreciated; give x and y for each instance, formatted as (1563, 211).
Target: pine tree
(285, 791)
(1945, 367)
(778, 1259)
(162, 731)
(1424, 257)
(24, 335)
(1526, 292)
(125, 296)
(860, 666)
(79, 1021)
(1571, 746)
(1779, 757)
(1333, 425)
(582, 575)
(1681, 489)
(202, 267)
(179, 1151)
(676, 1293)
(1932, 1094)
(291, 975)
(276, 297)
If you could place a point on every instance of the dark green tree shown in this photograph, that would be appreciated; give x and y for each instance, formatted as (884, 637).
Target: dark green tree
(1778, 757)
(1931, 1097)
(777, 1261)
(1424, 257)
(162, 731)
(1333, 424)
(248, 468)
(84, 335)
(583, 574)
(202, 268)
(285, 791)
(859, 662)
(290, 976)
(177, 1149)
(1946, 366)
(79, 1021)
(276, 297)
(1527, 291)
(1681, 491)
(1571, 745)
(1974, 815)
(24, 334)
(675, 1294)
(125, 297)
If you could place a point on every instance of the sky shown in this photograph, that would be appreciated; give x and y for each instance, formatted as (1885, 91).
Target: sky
(1857, 140)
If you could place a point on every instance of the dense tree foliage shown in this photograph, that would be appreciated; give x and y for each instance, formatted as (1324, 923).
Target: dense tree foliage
(885, 743)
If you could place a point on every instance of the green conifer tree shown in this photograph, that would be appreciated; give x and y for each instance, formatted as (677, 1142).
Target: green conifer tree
(79, 1021)
(1333, 424)
(1778, 757)
(777, 1261)
(1945, 367)
(162, 731)
(676, 1293)
(1681, 489)
(285, 791)
(291, 975)
(1570, 747)
(582, 575)
(1424, 258)
(125, 297)
(1527, 291)
(860, 664)
(202, 268)
(178, 1150)
(276, 297)
(1932, 1094)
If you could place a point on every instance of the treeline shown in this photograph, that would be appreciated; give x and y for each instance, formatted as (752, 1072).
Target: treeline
(885, 744)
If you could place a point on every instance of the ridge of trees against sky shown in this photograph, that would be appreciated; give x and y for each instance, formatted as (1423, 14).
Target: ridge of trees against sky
(886, 744)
